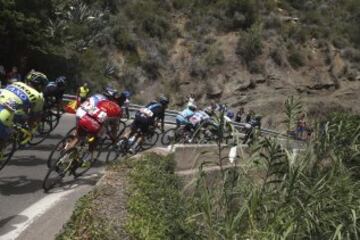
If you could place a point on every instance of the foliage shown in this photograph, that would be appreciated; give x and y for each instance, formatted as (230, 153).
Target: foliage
(296, 57)
(85, 224)
(281, 194)
(250, 44)
(156, 207)
(293, 108)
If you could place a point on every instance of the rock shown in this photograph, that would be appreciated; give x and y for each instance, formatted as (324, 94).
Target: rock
(321, 81)
(215, 87)
(244, 85)
(259, 79)
(338, 66)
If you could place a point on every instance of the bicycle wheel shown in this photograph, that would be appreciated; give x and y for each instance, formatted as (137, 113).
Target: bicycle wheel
(118, 150)
(58, 171)
(7, 152)
(43, 130)
(55, 119)
(169, 136)
(84, 160)
(150, 140)
(58, 150)
(108, 142)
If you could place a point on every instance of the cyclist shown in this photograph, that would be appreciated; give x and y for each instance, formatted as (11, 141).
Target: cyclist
(29, 99)
(7, 112)
(146, 117)
(183, 123)
(54, 91)
(95, 113)
(183, 117)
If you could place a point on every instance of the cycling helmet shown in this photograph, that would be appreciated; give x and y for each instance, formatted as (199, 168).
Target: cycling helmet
(61, 81)
(111, 92)
(37, 78)
(164, 100)
(127, 94)
(230, 114)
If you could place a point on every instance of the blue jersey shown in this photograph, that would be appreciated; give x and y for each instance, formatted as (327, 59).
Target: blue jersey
(183, 117)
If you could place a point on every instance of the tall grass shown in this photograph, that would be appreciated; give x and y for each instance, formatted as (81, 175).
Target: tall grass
(284, 194)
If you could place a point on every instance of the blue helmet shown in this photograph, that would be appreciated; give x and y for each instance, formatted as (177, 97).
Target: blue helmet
(230, 114)
(126, 93)
(110, 92)
(61, 80)
(164, 100)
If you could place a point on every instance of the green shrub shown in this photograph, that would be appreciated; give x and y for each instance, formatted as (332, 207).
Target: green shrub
(214, 56)
(296, 57)
(157, 209)
(250, 44)
(241, 13)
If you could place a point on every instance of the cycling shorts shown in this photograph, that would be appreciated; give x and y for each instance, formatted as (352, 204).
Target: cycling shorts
(5, 132)
(142, 123)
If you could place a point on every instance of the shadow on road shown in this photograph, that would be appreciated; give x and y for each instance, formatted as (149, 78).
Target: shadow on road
(13, 220)
(19, 185)
(27, 161)
(72, 183)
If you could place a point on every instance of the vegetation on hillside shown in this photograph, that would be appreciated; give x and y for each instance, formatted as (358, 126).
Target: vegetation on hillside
(278, 194)
(129, 41)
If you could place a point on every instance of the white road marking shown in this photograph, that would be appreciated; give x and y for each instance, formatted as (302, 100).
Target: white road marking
(34, 212)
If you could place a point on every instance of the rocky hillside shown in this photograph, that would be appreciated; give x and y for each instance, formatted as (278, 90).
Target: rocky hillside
(252, 53)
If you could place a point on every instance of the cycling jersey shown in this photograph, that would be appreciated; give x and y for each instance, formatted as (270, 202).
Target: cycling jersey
(199, 117)
(183, 117)
(28, 100)
(153, 110)
(145, 117)
(89, 104)
(53, 90)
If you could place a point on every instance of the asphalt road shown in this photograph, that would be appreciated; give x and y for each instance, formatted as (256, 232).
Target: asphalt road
(21, 190)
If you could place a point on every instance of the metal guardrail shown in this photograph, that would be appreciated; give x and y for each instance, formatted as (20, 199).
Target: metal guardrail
(174, 113)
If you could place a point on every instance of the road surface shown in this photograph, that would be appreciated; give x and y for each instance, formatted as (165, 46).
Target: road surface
(23, 203)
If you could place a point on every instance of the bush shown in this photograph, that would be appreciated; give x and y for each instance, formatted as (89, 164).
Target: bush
(250, 44)
(157, 210)
(215, 56)
(241, 13)
(296, 57)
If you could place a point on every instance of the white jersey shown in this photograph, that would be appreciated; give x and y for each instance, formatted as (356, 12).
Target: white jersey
(199, 117)
(89, 105)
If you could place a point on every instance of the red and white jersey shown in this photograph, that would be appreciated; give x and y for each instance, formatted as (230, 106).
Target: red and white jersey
(89, 105)
(113, 110)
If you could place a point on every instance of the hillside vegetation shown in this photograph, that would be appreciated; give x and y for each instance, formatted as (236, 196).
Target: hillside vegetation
(244, 52)
(275, 194)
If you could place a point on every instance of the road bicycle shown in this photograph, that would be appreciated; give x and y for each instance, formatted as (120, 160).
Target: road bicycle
(20, 137)
(74, 161)
(103, 144)
(49, 121)
(126, 147)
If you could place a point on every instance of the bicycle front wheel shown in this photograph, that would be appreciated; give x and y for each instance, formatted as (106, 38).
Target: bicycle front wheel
(84, 161)
(6, 153)
(150, 140)
(169, 137)
(58, 171)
